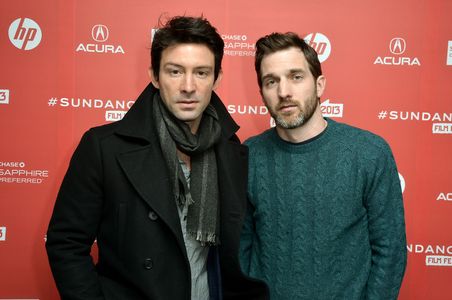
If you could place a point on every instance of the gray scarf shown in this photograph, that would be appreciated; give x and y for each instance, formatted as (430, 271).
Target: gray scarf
(202, 195)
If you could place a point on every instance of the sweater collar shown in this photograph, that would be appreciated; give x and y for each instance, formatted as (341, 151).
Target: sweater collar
(312, 143)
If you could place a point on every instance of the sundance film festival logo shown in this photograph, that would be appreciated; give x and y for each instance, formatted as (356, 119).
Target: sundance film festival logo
(100, 34)
(4, 96)
(332, 110)
(114, 115)
(442, 128)
(435, 255)
(247, 109)
(320, 43)
(397, 47)
(115, 109)
(441, 122)
(25, 34)
(438, 260)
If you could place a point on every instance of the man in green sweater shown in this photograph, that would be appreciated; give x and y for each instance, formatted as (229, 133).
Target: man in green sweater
(326, 218)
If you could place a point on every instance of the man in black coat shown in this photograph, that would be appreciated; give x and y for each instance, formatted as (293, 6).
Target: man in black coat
(163, 190)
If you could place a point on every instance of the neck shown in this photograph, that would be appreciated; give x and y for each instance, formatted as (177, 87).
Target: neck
(308, 130)
(194, 125)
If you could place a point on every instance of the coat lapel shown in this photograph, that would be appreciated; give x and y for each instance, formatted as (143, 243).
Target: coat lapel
(146, 171)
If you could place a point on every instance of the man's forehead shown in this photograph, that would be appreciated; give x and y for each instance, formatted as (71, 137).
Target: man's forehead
(284, 61)
(194, 55)
(290, 55)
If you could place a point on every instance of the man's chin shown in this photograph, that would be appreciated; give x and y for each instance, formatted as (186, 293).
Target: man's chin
(290, 123)
(186, 116)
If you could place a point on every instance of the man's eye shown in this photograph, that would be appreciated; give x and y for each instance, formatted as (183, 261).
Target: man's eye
(270, 83)
(174, 72)
(202, 74)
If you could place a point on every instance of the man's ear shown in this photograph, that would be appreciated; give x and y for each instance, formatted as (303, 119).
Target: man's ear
(154, 80)
(320, 83)
(217, 82)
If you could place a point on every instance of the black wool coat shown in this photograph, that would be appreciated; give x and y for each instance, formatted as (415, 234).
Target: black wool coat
(117, 191)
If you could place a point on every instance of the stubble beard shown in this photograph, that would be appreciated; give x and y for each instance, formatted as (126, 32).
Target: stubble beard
(288, 122)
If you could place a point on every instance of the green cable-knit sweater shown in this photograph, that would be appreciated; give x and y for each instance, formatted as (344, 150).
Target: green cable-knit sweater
(326, 217)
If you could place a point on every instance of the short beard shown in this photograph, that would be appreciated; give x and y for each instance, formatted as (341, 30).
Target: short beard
(302, 118)
(299, 120)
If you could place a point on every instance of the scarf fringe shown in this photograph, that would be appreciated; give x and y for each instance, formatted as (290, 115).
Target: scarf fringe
(205, 238)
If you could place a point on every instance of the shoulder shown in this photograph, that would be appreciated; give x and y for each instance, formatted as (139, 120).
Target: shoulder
(101, 132)
(108, 138)
(261, 147)
(359, 139)
(260, 140)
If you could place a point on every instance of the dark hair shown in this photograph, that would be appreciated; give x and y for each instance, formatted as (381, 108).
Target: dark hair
(186, 30)
(280, 41)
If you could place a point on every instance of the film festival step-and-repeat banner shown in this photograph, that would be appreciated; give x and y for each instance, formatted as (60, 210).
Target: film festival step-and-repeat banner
(69, 65)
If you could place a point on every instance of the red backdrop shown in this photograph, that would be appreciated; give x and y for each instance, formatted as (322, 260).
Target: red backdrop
(69, 65)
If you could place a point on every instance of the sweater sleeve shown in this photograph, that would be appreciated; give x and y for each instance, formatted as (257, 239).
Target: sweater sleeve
(384, 204)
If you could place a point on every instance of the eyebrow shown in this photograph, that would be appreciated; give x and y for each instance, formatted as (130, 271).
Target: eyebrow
(291, 71)
(170, 64)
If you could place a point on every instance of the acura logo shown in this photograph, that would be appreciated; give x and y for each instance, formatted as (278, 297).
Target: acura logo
(397, 46)
(99, 33)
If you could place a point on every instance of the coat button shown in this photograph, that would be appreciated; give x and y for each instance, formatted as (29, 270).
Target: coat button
(152, 215)
(148, 264)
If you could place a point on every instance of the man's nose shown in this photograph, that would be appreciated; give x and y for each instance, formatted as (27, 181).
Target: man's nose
(188, 84)
(284, 90)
